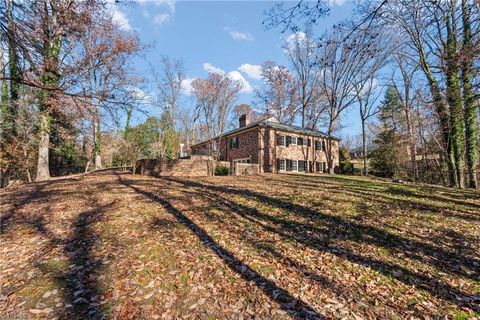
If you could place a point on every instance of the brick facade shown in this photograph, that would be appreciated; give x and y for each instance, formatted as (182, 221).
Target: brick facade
(258, 144)
(175, 168)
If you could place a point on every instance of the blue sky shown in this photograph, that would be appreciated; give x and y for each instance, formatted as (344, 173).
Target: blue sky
(227, 36)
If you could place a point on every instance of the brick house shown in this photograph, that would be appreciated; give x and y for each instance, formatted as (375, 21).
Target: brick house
(274, 146)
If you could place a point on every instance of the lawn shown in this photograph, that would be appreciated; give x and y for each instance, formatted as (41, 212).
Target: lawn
(117, 246)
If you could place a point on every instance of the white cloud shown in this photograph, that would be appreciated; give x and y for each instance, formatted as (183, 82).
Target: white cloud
(160, 19)
(237, 76)
(293, 39)
(254, 71)
(212, 69)
(236, 35)
(169, 4)
(187, 86)
(119, 17)
(233, 75)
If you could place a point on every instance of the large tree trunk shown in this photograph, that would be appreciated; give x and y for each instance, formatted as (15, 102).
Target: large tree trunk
(454, 98)
(442, 113)
(43, 170)
(470, 107)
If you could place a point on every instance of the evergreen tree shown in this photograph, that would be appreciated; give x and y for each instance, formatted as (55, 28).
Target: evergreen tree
(386, 160)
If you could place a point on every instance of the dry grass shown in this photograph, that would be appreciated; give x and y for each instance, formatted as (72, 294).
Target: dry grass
(114, 245)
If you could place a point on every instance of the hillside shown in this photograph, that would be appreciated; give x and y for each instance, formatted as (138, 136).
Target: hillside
(113, 245)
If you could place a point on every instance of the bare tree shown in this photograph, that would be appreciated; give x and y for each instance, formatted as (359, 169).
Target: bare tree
(279, 94)
(214, 97)
(343, 68)
(105, 52)
(367, 93)
(301, 50)
(169, 83)
(405, 86)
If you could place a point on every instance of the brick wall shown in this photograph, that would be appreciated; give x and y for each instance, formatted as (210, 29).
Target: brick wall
(248, 146)
(179, 167)
(295, 152)
(260, 146)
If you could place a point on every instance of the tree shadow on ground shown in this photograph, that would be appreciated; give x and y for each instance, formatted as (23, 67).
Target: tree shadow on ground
(295, 307)
(380, 196)
(336, 228)
(77, 279)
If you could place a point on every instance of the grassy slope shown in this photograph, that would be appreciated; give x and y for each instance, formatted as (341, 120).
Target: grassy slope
(275, 246)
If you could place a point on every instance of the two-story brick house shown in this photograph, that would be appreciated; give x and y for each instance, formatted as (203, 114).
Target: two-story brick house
(274, 146)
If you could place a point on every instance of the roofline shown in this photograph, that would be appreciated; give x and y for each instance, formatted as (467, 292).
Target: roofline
(266, 123)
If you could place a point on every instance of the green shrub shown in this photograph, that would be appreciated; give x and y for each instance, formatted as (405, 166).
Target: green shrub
(222, 171)
(346, 167)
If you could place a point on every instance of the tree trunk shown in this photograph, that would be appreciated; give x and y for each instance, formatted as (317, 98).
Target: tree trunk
(411, 141)
(330, 168)
(454, 98)
(442, 112)
(470, 107)
(97, 145)
(364, 146)
(43, 170)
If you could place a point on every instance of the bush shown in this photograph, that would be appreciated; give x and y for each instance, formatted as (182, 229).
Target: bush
(222, 171)
(346, 167)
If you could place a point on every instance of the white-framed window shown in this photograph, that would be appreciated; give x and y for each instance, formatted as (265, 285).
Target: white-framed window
(280, 140)
(294, 165)
(319, 167)
(281, 165)
(301, 165)
(294, 141)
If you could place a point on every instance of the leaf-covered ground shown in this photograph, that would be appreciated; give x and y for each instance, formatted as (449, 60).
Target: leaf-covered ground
(117, 246)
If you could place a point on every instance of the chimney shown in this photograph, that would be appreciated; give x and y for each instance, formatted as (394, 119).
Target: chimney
(244, 120)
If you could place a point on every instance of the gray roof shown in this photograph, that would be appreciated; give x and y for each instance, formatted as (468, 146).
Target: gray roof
(271, 122)
(296, 129)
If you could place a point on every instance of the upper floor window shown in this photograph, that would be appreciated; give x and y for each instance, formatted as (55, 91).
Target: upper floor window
(234, 143)
(291, 140)
(320, 145)
(280, 140)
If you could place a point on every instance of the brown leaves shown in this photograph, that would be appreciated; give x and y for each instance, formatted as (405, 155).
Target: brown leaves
(309, 245)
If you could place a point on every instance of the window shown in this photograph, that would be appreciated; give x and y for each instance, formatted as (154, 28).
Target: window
(319, 167)
(280, 140)
(305, 142)
(301, 165)
(234, 143)
(300, 141)
(320, 145)
(294, 165)
(281, 164)
(291, 140)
